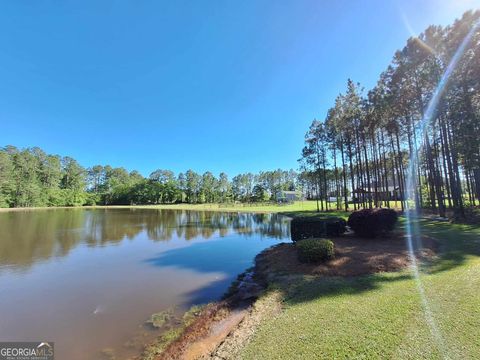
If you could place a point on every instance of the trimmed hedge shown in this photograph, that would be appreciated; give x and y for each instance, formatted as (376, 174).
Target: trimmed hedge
(372, 222)
(315, 250)
(313, 227)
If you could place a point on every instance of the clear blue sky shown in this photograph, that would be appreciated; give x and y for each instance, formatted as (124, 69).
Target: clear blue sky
(207, 85)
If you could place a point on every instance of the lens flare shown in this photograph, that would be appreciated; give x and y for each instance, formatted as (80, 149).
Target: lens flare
(413, 231)
(414, 36)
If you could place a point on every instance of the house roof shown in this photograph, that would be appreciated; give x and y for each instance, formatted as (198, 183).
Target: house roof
(372, 190)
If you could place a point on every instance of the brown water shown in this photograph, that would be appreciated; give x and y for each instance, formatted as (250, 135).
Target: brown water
(89, 279)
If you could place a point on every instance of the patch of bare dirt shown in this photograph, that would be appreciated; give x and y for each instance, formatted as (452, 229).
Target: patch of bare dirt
(264, 308)
(211, 315)
(201, 348)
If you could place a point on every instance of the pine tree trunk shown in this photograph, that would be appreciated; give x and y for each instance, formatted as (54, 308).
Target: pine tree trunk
(350, 157)
(344, 177)
(337, 185)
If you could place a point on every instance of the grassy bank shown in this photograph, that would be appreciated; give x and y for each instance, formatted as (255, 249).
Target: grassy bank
(241, 207)
(298, 206)
(381, 315)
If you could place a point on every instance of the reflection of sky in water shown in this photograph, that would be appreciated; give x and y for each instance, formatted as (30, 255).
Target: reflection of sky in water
(217, 256)
(87, 279)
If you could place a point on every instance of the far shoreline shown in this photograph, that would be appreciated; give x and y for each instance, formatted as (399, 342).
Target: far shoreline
(258, 208)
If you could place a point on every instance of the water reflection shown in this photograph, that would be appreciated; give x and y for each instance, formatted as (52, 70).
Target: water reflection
(27, 237)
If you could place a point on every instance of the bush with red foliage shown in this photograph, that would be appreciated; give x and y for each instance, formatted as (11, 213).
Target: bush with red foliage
(372, 222)
(316, 227)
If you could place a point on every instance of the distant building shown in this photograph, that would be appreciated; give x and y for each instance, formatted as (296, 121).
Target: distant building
(392, 193)
(288, 196)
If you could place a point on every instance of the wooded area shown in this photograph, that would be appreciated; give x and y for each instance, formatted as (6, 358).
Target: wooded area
(362, 149)
(30, 177)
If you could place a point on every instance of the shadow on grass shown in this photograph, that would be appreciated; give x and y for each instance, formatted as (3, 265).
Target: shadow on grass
(457, 242)
(305, 289)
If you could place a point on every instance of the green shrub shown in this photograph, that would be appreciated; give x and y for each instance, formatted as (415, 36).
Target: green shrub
(371, 222)
(315, 250)
(92, 199)
(314, 227)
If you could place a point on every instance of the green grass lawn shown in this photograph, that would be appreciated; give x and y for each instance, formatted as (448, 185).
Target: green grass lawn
(381, 316)
(307, 205)
(242, 207)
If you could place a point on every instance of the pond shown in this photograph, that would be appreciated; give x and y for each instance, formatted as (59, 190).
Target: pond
(88, 279)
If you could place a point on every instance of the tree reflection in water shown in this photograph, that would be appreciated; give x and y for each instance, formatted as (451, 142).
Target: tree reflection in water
(27, 237)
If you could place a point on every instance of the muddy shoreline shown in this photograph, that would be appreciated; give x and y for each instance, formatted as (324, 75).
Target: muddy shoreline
(214, 322)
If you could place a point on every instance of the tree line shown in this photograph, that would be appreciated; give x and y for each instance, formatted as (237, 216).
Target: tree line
(30, 177)
(359, 154)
